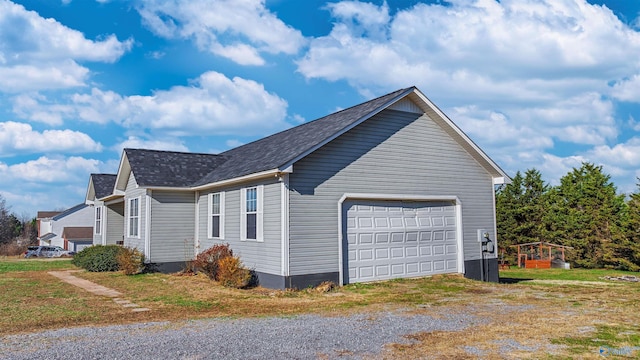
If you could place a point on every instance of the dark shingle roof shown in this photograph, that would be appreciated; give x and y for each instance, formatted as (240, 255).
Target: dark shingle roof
(77, 232)
(103, 184)
(171, 169)
(279, 149)
(69, 211)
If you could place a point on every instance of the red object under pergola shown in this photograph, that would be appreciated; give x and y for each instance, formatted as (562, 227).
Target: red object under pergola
(538, 255)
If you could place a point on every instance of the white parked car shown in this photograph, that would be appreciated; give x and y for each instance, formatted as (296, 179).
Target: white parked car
(46, 252)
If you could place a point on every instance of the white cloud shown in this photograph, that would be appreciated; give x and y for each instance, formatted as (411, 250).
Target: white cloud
(237, 30)
(519, 76)
(626, 155)
(628, 89)
(477, 47)
(38, 53)
(51, 170)
(232, 143)
(135, 142)
(21, 138)
(212, 105)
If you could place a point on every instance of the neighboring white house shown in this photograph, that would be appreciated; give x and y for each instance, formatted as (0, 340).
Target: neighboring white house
(51, 224)
(388, 188)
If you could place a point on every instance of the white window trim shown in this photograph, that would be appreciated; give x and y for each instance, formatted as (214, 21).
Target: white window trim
(97, 228)
(129, 235)
(210, 216)
(259, 213)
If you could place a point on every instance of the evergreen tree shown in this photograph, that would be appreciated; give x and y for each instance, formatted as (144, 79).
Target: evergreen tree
(626, 254)
(585, 213)
(519, 211)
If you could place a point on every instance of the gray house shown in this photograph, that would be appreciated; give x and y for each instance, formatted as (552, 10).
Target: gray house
(108, 216)
(385, 189)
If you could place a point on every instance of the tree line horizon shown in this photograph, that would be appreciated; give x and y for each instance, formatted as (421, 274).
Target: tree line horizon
(583, 211)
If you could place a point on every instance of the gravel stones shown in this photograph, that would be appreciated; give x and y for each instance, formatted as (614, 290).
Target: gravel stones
(356, 336)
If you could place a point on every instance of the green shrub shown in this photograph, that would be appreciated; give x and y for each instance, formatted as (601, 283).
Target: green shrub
(98, 258)
(131, 261)
(208, 260)
(231, 273)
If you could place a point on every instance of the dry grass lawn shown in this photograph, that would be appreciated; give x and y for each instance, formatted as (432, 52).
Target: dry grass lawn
(566, 315)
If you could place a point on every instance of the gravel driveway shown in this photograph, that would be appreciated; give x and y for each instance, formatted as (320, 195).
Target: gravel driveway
(300, 337)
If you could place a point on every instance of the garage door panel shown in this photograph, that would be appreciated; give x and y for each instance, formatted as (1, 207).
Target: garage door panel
(397, 269)
(382, 254)
(396, 222)
(381, 222)
(425, 250)
(400, 239)
(397, 252)
(426, 266)
(365, 238)
(382, 270)
(382, 238)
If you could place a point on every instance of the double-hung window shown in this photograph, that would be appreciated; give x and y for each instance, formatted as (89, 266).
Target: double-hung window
(97, 227)
(134, 218)
(251, 214)
(216, 216)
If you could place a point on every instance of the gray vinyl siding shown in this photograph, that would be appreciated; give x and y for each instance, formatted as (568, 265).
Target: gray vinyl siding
(394, 152)
(132, 192)
(263, 256)
(172, 226)
(115, 223)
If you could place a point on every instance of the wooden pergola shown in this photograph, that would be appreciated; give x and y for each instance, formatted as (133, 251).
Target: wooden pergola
(538, 255)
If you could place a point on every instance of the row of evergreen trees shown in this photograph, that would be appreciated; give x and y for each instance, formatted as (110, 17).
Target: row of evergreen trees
(583, 212)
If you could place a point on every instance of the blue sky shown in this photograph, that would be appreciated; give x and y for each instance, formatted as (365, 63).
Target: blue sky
(536, 83)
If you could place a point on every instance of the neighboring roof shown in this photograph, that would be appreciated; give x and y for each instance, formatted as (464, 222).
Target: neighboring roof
(103, 184)
(170, 169)
(47, 214)
(77, 232)
(279, 149)
(153, 168)
(47, 236)
(70, 211)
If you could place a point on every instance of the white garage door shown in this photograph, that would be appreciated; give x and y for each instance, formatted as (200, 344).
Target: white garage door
(82, 246)
(394, 239)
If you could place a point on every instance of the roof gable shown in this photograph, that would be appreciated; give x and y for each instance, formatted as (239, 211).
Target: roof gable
(278, 152)
(100, 185)
(69, 211)
(280, 149)
(155, 168)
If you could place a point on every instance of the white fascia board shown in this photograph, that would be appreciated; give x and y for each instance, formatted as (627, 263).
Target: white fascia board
(113, 200)
(501, 180)
(123, 168)
(406, 197)
(91, 193)
(241, 179)
(89, 202)
(460, 133)
(114, 196)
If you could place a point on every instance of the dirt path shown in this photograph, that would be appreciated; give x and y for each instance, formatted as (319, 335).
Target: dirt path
(96, 289)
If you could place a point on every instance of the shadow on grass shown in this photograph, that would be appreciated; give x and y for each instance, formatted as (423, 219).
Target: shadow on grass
(508, 280)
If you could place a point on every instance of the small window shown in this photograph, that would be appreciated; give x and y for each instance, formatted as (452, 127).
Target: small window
(134, 217)
(216, 215)
(98, 224)
(251, 214)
